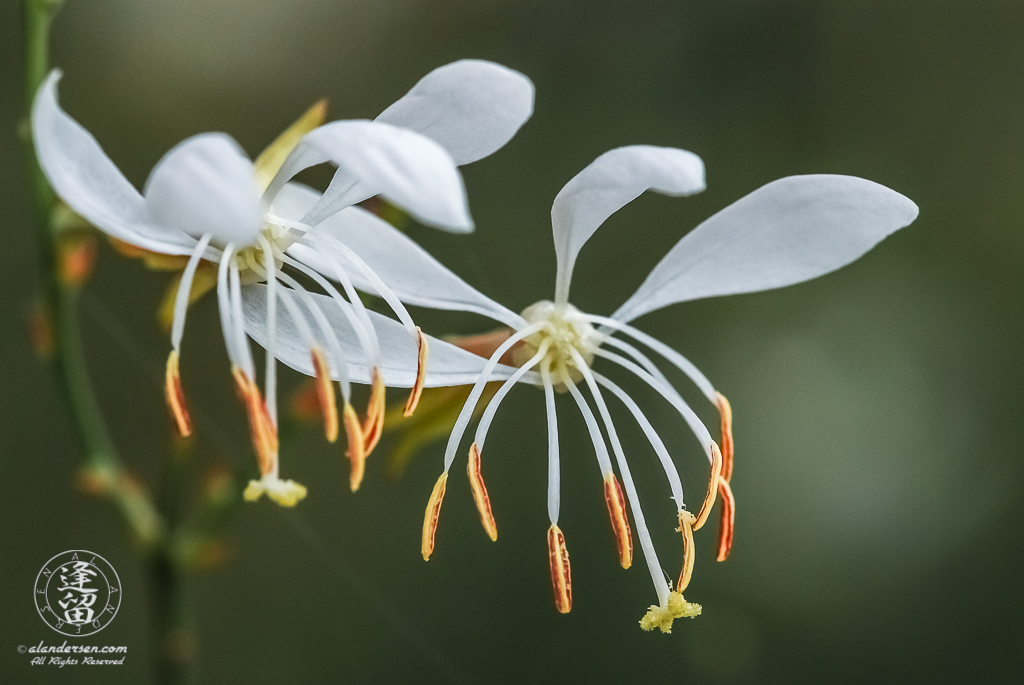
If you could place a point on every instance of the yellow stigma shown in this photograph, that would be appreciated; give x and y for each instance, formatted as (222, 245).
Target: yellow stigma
(662, 617)
(287, 493)
(566, 330)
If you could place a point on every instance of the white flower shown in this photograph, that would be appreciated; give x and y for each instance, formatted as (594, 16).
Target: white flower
(788, 231)
(207, 200)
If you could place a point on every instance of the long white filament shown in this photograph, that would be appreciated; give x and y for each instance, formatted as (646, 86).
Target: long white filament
(383, 290)
(459, 429)
(224, 304)
(244, 353)
(603, 460)
(184, 290)
(652, 436)
(691, 418)
(554, 475)
(642, 359)
(646, 544)
(492, 406)
(270, 368)
(367, 340)
(678, 360)
(357, 302)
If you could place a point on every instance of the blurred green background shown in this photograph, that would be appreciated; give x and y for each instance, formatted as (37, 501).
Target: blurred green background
(878, 409)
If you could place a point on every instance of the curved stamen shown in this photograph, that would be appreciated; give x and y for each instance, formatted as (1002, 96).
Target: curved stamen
(639, 356)
(725, 529)
(270, 364)
(652, 436)
(459, 429)
(554, 474)
(646, 544)
(692, 420)
(224, 304)
(432, 514)
(709, 498)
(241, 341)
(480, 496)
(422, 352)
(184, 289)
(678, 360)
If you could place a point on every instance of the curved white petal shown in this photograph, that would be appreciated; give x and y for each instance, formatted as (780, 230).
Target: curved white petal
(84, 177)
(407, 168)
(471, 107)
(788, 231)
(206, 185)
(610, 182)
(446, 364)
(409, 270)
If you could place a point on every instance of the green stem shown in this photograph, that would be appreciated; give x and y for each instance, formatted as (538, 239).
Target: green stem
(175, 644)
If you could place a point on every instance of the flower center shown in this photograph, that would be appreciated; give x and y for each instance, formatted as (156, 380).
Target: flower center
(250, 259)
(565, 330)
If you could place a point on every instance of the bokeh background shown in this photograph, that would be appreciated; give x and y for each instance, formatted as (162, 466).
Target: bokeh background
(878, 409)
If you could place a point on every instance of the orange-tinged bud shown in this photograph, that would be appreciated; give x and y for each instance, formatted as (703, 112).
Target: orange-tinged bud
(421, 373)
(325, 394)
(561, 578)
(725, 527)
(375, 408)
(304, 404)
(725, 411)
(616, 502)
(356, 452)
(431, 515)
(480, 496)
(176, 396)
(686, 520)
(261, 427)
(40, 330)
(709, 498)
(76, 259)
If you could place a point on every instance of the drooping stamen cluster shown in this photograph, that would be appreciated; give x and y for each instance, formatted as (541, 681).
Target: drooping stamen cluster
(556, 350)
(264, 262)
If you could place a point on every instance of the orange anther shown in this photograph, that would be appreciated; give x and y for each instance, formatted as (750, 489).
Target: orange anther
(709, 498)
(725, 528)
(356, 452)
(325, 394)
(431, 516)
(373, 426)
(725, 411)
(483, 501)
(616, 502)
(421, 373)
(261, 426)
(176, 396)
(561, 579)
(686, 520)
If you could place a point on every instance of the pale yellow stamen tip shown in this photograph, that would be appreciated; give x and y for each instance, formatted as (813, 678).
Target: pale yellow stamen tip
(561, 574)
(431, 516)
(686, 521)
(176, 396)
(480, 496)
(356, 447)
(286, 493)
(325, 393)
(662, 617)
(421, 373)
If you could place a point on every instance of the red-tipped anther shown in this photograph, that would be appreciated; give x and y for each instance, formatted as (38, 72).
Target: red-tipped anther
(561, 578)
(709, 498)
(725, 411)
(483, 501)
(686, 520)
(325, 394)
(431, 515)
(725, 528)
(176, 396)
(261, 427)
(373, 426)
(616, 502)
(421, 373)
(356, 447)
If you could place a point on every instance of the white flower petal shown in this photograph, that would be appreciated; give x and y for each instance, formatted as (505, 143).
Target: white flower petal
(610, 182)
(446, 365)
(409, 270)
(471, 107)
(84, 177)
(407, 168)
(206, 184)
(788, 231)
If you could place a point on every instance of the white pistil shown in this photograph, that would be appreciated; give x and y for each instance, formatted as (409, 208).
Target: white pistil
(646, 544)
(244, 353)
(678, 360)
(459, 429)
(652, 436)
(492, 406)
(184, 290)
(270, 369)
(224, 305)
(554, 474)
